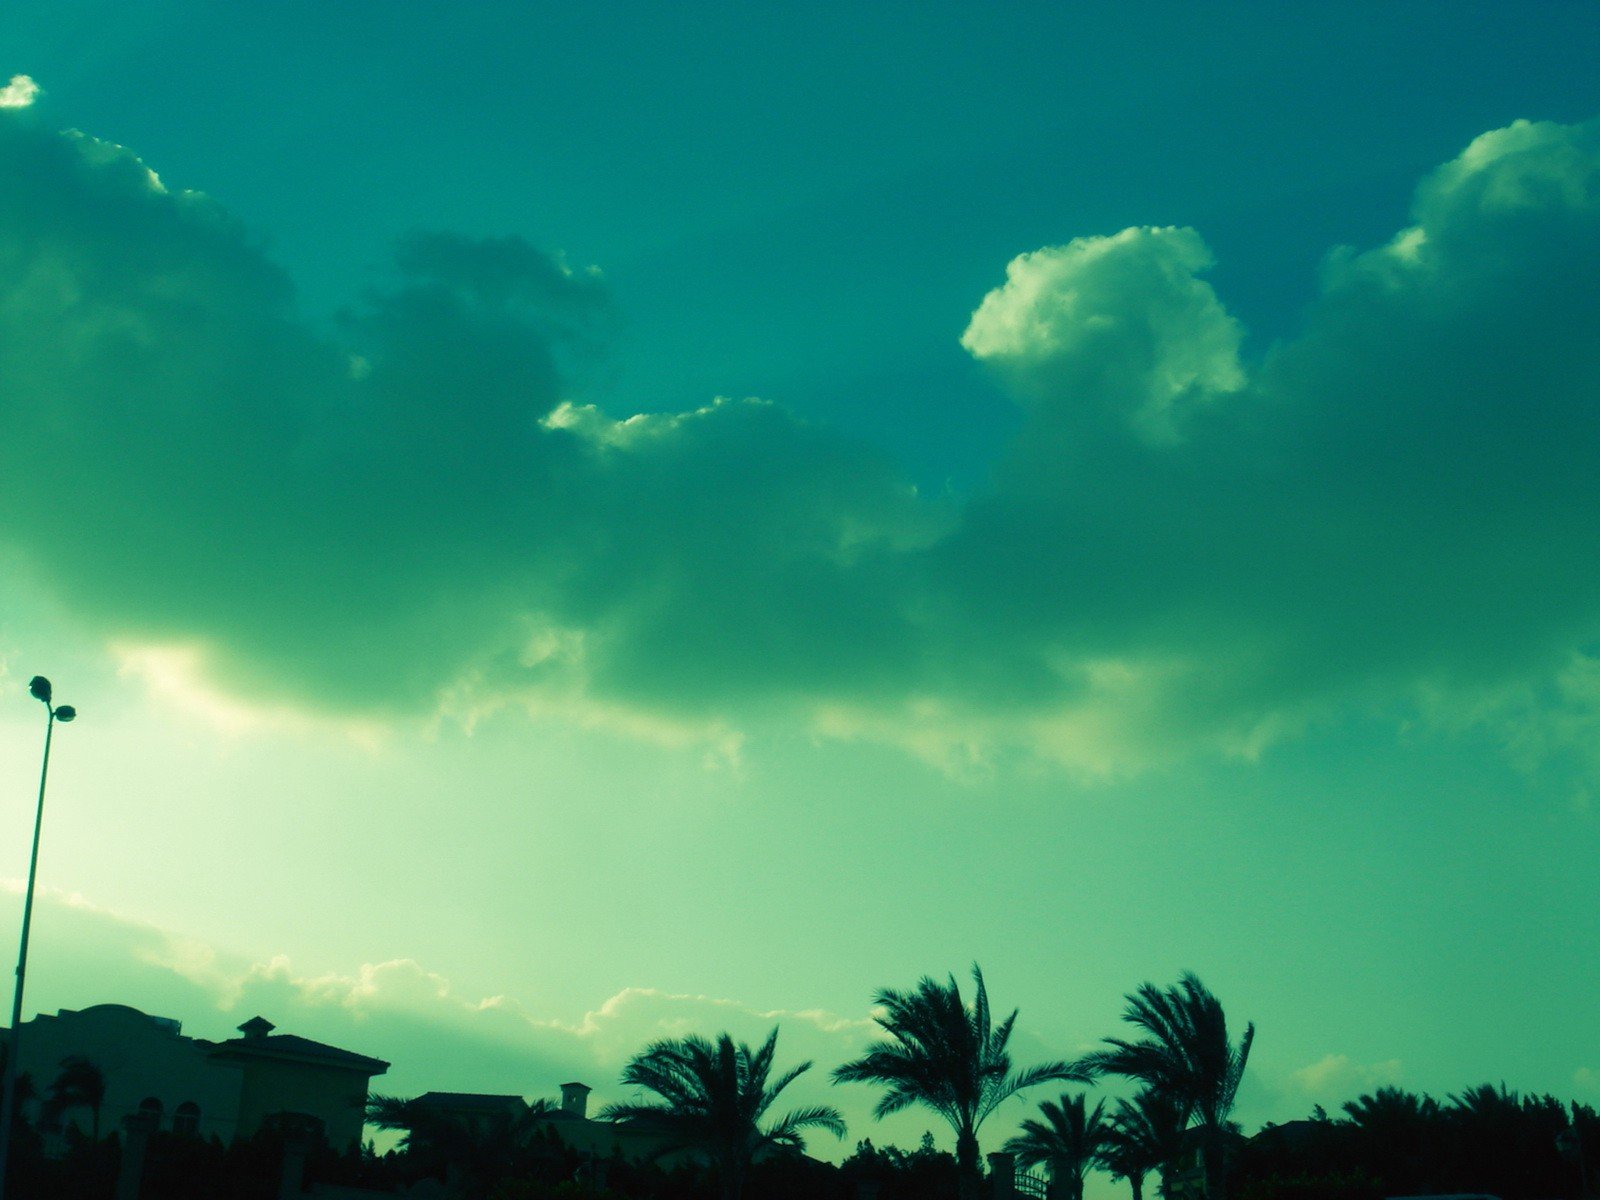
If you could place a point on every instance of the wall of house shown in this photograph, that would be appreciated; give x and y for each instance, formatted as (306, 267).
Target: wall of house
(602, 1139)
(335, 1095)
(142, 1057)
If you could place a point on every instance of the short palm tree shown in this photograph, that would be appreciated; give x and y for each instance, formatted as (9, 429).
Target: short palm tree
(1186, 1055)
(1392, 1128)
(1144, 1135)
(711, 1099)
(1068, 1142)
(475, 1152)
(80, 1084)
(947, 1056)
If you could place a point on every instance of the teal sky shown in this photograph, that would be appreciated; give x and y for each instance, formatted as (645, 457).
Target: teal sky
(575, 526)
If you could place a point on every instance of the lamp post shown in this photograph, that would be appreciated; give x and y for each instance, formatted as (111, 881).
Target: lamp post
(40, 689)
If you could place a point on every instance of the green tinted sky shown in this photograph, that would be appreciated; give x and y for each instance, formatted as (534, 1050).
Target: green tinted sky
(672, 516)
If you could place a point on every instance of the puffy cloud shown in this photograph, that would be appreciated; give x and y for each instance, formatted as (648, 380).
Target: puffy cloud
(1117, 323)
(1395, 508)
(1398, 503)
(373, 522)
(21, 92)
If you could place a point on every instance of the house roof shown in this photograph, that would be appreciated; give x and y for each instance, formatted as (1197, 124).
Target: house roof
(297, 1049)
(470, 1100)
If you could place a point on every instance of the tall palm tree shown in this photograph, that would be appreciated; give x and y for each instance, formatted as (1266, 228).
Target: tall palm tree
(80, 1084)
(1187, 1055)
(1144, 1135)
(950, 1057)
(1068, 1141)
(711, 1099)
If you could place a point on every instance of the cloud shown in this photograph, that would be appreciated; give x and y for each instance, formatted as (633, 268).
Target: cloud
(1120, 323)
(1336, 1078)
(433, 1035)
(1393, 510)
(19, 93)
(1399, 502)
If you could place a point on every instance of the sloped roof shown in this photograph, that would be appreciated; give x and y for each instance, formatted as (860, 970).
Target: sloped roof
(468, 1100)
(298, 1049)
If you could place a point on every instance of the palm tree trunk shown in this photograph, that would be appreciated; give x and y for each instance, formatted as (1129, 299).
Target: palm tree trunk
(1215, 1169)
(969, 1176)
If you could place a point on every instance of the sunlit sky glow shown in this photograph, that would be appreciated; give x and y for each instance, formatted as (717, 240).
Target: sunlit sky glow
(572, 526)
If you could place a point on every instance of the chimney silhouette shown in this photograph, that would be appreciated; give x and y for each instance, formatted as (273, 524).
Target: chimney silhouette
(575, 1099)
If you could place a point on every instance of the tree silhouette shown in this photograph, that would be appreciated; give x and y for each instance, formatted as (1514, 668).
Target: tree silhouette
(948, 1057)
(711, 1101)
(486, 1148)
(1507, 1142)
(80, 1084)
(1188, 1057)
(1392, 1131)
(1143, 1135)
(1068, 1141)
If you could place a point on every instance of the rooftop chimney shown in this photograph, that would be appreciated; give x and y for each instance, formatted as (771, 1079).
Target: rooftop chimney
(575, 1099)
(257, 1027)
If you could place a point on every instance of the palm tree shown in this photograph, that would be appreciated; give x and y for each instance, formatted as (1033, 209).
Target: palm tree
(711, 1101)
(949, 1057)
(478, 1151)
(1391, 1107)
(1189, 1057)
(1390, 1130)
(80, 1084)
(1069, 1141)
(1144, 1135)
(24, 1088)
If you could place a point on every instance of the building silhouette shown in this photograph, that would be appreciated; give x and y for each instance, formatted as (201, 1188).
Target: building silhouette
(190, 1085)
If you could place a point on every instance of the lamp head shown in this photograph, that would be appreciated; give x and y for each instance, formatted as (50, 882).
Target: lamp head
(40, 687)
(66, 712)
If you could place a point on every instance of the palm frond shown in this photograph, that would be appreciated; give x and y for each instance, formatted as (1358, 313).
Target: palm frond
(709, 1098)
(945, 1055)
(1186, 1058)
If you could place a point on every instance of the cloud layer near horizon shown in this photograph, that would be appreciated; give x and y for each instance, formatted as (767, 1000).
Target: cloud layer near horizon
(1181, 549)
(434, 1037)
(437, 1038)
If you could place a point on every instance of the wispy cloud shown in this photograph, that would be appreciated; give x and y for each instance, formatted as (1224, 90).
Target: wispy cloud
(1337, 1077)
(434, 1035)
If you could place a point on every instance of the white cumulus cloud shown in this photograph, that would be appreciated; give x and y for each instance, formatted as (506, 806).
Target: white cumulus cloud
(19, 93)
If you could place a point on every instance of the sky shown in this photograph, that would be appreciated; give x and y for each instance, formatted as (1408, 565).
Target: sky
(571, 527)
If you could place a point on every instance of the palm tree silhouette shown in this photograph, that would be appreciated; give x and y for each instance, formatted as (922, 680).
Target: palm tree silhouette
(1143, 1135)
(481, 1150)
(711, 1101)
(80, 1084)
(948, 1057)
(1392, 1130)
(1068, 1140)
(1187, 1056)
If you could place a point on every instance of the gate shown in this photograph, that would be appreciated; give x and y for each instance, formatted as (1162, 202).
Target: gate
(1031, 1185)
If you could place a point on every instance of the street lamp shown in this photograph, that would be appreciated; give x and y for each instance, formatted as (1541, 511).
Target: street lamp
(41, 691)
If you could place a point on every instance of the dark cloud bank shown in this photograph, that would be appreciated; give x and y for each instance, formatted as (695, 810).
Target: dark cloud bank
(1395, 507)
